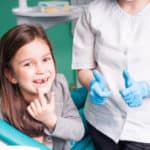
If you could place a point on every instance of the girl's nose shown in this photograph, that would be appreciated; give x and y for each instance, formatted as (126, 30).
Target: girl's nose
(39, 68)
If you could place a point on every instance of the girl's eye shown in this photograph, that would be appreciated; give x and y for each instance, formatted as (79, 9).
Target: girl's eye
(47, 59)
(28, 64)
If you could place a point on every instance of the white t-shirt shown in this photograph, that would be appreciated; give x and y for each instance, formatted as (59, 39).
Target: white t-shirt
(109, 39)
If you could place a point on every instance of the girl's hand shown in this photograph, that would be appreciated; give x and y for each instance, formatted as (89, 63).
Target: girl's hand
(43, 110)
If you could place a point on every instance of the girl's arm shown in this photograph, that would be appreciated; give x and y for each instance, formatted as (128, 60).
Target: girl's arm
(69, 125)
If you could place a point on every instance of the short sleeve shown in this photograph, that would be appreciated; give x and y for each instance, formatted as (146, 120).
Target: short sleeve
(83, 43)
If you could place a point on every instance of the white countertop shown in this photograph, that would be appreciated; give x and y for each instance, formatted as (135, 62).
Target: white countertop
(32, 15)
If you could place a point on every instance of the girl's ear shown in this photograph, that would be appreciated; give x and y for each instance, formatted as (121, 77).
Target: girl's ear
(9, 76)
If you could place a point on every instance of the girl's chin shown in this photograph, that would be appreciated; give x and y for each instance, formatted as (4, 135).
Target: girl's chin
(44, 90)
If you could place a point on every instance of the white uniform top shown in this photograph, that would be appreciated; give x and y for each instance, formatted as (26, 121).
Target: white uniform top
(109, 39)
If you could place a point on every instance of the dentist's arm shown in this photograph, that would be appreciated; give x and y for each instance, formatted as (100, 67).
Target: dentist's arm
(85, 76)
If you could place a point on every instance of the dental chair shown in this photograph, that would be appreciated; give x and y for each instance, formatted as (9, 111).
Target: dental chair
(11, 136)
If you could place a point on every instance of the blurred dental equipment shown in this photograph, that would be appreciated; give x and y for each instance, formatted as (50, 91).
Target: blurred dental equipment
(22, 4)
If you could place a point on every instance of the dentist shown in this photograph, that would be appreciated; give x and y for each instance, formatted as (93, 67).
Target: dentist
(111, 53)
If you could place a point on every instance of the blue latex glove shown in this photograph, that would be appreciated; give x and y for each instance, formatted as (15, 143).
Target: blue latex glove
(98, 90)
(135, 92)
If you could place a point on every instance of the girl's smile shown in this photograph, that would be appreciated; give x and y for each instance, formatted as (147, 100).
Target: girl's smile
(41, 82)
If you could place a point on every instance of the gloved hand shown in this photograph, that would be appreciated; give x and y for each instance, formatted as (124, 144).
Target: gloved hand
(135, 92)
(98, 90)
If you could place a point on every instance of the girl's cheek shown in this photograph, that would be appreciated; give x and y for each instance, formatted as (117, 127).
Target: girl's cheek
(28, 73)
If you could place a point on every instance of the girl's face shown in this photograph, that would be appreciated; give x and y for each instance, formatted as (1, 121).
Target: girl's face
(32, 68)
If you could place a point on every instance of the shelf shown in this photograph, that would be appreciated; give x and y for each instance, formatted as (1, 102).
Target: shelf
(32, 15)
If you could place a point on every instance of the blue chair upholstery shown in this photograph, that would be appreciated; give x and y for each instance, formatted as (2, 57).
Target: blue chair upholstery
(79, 96)
(12, 136)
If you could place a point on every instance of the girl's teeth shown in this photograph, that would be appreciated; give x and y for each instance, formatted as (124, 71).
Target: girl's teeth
(41, 81)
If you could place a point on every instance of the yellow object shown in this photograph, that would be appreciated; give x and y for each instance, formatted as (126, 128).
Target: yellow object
(51, 10)
(66, 7)
(54, 7)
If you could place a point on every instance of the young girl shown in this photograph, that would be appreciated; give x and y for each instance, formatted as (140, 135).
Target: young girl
(34, 98)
